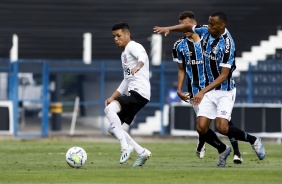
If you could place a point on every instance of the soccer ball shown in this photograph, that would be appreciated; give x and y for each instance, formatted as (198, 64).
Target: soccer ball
(76, 157)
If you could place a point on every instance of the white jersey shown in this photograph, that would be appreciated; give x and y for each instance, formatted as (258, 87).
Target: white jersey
(139, 82)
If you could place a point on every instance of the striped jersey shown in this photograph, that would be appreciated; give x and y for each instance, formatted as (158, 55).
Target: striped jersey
(218, 53)
(189, 53)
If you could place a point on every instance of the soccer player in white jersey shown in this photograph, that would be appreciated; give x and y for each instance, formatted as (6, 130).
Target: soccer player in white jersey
(133, 93)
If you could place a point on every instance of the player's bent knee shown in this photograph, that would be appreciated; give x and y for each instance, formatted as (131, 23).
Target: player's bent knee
(112, 108)
(221, 129)
(201, 131)
(222, 126)
(106, 110)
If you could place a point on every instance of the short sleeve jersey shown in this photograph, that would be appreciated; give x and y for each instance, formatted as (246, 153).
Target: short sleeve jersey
(218, 53)
(190, 55)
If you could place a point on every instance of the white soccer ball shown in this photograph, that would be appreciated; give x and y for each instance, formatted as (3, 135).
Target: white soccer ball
(76, 157)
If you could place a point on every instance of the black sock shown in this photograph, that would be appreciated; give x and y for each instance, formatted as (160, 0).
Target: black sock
(212, 139)
(235, 146)
(234, 142)
(201, 142)
(240, 135)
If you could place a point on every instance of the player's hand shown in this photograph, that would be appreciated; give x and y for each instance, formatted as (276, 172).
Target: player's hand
(135, 70)
(186, 96)
(163, 30)
(198, 98)
(108, 101)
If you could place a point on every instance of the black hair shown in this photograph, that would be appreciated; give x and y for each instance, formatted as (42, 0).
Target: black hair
(187, 14)
(121, 25)
(221, 15)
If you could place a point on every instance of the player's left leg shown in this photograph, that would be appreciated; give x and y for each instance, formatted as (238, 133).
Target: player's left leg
(224, 110)
(139, 149)
(237, 159)
(142, 158)
(143, 154)
(243, 136)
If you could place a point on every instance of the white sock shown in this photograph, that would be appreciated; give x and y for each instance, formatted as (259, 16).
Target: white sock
(134, 144)
(115, 127)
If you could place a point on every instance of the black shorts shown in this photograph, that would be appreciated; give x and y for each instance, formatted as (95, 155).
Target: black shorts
(130, 105)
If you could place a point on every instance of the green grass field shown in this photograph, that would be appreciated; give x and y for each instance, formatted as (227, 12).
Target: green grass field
(43, 161)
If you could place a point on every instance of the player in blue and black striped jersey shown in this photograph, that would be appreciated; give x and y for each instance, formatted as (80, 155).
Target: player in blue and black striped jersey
(187, 52)
(216, 100)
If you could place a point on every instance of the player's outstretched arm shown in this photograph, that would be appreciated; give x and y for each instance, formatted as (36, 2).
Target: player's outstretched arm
(164, 30)
(177, 28)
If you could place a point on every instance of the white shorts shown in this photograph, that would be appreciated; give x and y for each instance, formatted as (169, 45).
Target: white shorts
(216, 103)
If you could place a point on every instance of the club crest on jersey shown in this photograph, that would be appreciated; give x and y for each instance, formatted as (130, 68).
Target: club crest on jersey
(189, 53)
(223, 112)
(124, 60)
(204, 42)
(214, 50)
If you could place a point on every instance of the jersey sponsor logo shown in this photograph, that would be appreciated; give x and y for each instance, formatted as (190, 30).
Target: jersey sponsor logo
(227, 46)
(126, 71)
(195, 62)
(210, 56)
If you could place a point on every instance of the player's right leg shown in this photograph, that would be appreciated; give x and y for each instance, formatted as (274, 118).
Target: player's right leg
(211, 138)
(207, 111)
(223, 150)
(116, 130)
(200, 148)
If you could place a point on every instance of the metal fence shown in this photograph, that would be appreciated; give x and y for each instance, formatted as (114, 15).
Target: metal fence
(61, 81)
